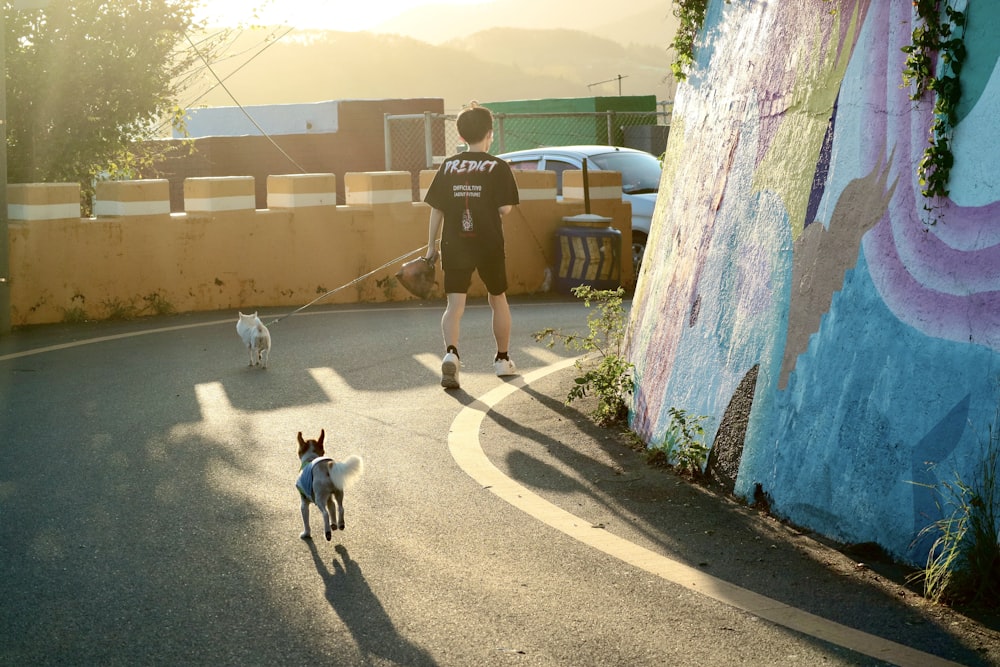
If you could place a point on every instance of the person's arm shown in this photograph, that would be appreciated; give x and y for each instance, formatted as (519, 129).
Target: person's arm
(433, 231)
(504, 210)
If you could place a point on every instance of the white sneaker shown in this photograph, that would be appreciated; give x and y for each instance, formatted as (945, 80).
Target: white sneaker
(504, 367)
(449, 371)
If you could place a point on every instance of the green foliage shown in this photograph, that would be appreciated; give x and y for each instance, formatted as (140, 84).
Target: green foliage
(963, 565)
(610, 380)
(934, 38)
(683, 444)
(691, 14)
(86, 80)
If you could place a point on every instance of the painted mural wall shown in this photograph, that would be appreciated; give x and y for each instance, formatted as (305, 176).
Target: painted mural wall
(792, 262)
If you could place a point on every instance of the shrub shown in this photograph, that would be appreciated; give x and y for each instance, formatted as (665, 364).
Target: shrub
(611, 379)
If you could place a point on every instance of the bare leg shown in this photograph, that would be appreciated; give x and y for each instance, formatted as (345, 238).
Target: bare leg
(305, 518)
(451, 321)
(501, 321)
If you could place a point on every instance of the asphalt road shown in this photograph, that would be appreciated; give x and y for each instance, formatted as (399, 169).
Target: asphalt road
(148, 514)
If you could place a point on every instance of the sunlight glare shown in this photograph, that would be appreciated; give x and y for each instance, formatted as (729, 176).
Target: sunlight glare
(343, 15)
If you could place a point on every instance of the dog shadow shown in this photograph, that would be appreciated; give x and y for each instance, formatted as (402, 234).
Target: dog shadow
(355, 603)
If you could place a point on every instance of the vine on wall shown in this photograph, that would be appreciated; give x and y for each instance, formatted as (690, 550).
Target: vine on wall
(939, 34)
(936, 35)
(691, 14)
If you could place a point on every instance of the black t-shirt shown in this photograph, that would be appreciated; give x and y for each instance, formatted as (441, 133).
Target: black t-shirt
(469, 188)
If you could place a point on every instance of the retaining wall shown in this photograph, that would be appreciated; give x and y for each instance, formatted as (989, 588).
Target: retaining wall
(840, 333)
(136, 257)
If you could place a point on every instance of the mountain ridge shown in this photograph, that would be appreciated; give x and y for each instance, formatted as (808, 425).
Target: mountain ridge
(647, 22)
(317, 65)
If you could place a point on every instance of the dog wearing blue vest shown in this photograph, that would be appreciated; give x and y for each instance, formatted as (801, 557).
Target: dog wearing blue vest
(322, 482)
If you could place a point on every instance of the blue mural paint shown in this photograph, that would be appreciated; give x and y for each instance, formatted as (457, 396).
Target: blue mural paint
(843, 448)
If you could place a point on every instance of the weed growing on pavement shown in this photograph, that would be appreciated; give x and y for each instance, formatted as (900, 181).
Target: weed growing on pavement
(387, 285)
(74, 315)
(683, 444)
(117, 309)
(77, 312)
(157, 305)
(610, 379)
(963, 565)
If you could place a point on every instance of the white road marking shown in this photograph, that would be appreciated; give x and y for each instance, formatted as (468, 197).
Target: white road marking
(465, 447)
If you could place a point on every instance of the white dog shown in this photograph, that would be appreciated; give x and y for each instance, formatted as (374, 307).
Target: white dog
(323, 480)
(256, 337)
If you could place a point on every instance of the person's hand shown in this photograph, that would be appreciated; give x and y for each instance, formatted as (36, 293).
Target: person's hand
(431, 257)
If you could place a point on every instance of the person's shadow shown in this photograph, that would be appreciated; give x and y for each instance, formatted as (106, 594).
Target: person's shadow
(353, 600)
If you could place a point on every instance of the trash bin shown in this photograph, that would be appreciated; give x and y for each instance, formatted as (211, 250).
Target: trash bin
(588, 252)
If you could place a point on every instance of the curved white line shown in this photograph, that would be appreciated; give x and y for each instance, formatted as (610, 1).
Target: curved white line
(465, 448)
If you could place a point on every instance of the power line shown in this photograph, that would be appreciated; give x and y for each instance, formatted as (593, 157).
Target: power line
(237, 103)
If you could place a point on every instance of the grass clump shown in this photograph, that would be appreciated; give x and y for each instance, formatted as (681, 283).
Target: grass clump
(963, 565)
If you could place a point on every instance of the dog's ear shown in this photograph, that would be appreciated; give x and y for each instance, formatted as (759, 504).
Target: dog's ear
(322, 435)
(302, 444)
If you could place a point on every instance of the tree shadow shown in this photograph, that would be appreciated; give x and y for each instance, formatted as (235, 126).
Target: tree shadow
(353, 600)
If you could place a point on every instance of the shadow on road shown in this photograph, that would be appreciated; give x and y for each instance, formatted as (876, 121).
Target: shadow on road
(353, 600)
(557, 451)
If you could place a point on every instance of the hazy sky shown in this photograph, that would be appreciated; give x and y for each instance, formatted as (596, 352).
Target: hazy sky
(346, 15)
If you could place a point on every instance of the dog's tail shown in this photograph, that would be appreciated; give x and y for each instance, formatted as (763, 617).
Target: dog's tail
(348, 470)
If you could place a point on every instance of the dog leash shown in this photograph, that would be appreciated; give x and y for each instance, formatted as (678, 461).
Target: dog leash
(346, 285)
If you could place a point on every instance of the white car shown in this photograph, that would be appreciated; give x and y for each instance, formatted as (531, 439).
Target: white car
(640, 178)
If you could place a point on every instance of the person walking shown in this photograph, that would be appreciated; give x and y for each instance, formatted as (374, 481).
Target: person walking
(470, 194)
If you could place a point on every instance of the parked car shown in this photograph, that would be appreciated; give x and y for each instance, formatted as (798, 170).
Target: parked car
(640, 178)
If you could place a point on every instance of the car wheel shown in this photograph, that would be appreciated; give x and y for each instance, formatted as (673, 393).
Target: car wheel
(638, 249)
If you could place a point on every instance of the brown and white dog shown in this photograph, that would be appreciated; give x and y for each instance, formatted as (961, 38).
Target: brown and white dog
(322, 481)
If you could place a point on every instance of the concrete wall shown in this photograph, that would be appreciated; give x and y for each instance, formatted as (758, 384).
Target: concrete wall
(136, 257)
(796, 290)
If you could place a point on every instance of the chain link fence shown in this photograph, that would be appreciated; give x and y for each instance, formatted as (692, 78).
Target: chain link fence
(421, 141)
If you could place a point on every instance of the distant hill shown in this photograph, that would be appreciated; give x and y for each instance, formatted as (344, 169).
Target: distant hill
(577, 56)
(647, 22)
(496, 64)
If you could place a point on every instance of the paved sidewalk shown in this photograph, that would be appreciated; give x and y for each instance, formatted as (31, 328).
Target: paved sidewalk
(552, 462)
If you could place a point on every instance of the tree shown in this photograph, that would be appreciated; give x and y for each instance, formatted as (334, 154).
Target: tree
(87, 80)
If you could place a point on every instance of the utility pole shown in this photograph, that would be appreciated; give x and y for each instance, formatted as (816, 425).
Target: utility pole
(4, 235)
(17, 5)
(617, 78)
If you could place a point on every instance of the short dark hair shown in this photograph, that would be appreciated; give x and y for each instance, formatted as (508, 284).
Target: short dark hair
(474, 123)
